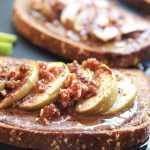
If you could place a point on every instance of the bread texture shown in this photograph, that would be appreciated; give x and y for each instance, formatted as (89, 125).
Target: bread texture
(130, 55)
(21, 130)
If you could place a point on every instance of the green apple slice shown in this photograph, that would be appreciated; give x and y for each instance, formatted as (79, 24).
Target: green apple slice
(69, 14)
(2, 79)
(130, 28)
(126, 96)
(106, 96)
(101, 4)
(85, 73)
(38, 100)
(2, 84)
(106, 34)
(26, 86)
(87, 15)
(46, 8)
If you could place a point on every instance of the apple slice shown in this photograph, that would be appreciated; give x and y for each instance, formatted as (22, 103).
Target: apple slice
(106, 96)
(84, 18)
(38, 100)
(69, 14)
(2, 78)
(2, 84)
(130, 28)
(126, 96)
(86, 73)
(105, 34)
(46, 8)
(25, 85)
(101, 4)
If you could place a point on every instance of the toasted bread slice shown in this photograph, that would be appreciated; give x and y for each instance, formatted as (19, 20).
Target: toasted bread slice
(123, 53)
(122, 131)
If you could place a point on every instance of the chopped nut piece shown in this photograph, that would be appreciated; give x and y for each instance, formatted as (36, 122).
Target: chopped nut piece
(91, 63)
(39, 86)
(71, 77)
(24, 68)
(73, 67)
(44, 74)
(55, 70)
(4, 71)
(47, 113)
(12, 84)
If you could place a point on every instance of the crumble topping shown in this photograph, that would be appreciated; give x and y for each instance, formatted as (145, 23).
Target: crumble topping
(91, 63)
(47, 113)
(49, 73)
(39, 86)
(73, 67)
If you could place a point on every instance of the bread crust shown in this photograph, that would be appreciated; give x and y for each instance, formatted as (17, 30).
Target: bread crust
(123, 139)
(119, 139)
(71, 50)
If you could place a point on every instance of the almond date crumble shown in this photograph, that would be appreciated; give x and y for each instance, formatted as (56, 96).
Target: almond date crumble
(76, 86)
(91, 63)
(47, 113)
(49, 73)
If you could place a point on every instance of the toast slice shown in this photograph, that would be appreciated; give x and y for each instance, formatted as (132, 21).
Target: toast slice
(142, 5)
(127, 51)
(121, 131)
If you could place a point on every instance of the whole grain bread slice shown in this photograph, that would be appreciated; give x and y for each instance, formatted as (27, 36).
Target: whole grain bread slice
(138, 50)
(21, 129)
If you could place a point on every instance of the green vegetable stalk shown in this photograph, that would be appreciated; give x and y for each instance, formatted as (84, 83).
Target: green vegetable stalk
(6, 43)
(5, 37)
(6, 49)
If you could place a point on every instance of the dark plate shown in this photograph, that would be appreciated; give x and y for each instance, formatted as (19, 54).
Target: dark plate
(25, 49)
